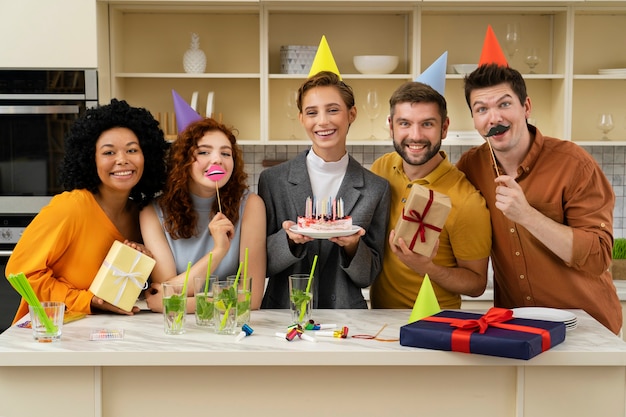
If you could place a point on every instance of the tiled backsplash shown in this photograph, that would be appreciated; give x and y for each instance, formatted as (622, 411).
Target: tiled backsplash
(610, 158)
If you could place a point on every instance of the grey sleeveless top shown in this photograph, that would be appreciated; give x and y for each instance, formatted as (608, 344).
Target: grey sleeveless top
(194, 248)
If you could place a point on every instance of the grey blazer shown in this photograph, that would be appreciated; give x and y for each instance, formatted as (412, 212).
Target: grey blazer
(337, 281)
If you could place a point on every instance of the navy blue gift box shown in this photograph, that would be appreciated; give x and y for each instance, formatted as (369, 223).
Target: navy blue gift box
(503, 336)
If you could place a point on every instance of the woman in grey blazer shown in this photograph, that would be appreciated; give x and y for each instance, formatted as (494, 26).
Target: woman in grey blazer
(345, 264)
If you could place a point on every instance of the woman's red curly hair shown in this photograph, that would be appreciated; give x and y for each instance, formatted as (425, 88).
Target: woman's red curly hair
(180, 218)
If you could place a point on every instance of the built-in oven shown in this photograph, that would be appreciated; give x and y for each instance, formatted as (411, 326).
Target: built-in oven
(11, 228)
(37, 108)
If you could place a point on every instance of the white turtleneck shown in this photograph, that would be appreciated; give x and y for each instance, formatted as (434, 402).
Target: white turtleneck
(326, 177)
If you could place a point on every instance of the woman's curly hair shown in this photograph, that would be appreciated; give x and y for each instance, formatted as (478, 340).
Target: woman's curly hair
(180, 218)
(78, 169)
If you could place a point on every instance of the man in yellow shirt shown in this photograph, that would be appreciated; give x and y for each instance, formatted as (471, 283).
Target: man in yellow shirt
(418, 123)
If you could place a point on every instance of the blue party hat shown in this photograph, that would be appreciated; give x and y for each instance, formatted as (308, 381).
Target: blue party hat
(435, 75)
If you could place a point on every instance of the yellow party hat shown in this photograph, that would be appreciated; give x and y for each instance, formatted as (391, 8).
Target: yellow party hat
(324, 60)
(426, 303)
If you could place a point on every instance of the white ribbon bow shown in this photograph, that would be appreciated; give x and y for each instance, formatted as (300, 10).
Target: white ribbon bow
(124, 277)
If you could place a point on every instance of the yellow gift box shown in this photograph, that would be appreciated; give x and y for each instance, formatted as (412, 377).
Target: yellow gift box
(422, 218)
(122, 276)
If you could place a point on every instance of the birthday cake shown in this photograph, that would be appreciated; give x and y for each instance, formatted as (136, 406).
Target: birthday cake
(324, 215)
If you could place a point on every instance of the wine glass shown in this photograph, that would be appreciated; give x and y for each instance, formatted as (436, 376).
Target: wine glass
(291, 101)
(532, 59)
(512, 39)
(605, 124)
(372, 108)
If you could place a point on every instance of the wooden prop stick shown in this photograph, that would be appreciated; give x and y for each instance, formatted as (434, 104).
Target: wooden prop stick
(219, 203)
(493, 157)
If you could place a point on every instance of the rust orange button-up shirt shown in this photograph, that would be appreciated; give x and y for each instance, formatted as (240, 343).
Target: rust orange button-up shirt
(562, 181)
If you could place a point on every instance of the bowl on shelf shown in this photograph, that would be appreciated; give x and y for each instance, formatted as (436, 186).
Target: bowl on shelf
(375, 64)
(464, 68)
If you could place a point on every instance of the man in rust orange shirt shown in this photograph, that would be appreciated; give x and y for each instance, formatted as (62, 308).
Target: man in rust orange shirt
(551, 205)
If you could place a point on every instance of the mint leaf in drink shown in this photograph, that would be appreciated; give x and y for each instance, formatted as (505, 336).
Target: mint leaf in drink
(228, 296)
(174, 303)
(205, 308)
(298, 297)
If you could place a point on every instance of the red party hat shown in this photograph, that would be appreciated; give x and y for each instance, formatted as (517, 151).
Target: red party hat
(492, 53)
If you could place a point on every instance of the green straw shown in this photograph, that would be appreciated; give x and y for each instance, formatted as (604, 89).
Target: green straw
(179, 318)
(230, 304)
(245, 269)
(308, 284)
(208, 275)
(245, 275)
(308, 288)
(237, 276)
(23, 287)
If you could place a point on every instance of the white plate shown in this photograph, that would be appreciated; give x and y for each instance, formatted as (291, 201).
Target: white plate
(613, 71)
(325, 234)
(543, 313)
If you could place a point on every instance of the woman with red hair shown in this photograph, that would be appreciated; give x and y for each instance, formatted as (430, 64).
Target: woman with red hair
(205, 207)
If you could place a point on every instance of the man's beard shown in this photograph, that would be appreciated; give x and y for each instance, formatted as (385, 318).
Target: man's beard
(431, 151)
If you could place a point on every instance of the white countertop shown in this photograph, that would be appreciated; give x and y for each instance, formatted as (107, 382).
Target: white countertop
(145, 344)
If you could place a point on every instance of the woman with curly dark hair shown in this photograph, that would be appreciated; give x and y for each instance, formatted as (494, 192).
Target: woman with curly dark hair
(205, 207)
(114, 164)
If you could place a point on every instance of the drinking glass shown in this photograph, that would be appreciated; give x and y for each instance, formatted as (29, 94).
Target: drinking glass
(244, 294)
(372, 108)
(512, 39)
(203, 287)
(532, 59)
(300, 300)
(291, 101)
(174, 308)
(47, 321)
(605, 124)
(225, 301)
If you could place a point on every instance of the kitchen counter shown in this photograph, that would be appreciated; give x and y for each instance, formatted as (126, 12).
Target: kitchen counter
(150, 373)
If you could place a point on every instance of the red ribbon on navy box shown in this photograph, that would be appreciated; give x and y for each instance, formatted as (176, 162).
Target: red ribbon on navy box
(495, 317)
(415, 217)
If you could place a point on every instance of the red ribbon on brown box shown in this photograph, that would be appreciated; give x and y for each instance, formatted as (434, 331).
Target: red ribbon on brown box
(427, 213)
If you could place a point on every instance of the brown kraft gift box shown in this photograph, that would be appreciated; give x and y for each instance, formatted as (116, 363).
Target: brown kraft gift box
(422, 218)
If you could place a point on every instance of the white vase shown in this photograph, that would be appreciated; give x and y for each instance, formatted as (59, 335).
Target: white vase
(194, 60)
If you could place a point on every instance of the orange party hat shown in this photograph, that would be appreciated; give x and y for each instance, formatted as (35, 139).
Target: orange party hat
(324, 60)
(492, 53)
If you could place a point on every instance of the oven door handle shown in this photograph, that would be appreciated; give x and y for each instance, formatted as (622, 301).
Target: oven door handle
(60, 109)
(5, 253)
